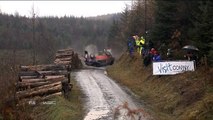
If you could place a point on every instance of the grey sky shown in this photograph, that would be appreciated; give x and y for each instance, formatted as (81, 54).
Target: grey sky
(61, 8)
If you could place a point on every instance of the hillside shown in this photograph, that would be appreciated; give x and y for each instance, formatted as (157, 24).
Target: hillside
(67, 31)
(187, 96)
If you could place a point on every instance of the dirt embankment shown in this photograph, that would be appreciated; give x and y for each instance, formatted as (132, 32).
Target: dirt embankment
(186, 96)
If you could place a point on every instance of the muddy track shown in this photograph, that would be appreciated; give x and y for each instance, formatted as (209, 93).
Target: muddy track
(103, 95)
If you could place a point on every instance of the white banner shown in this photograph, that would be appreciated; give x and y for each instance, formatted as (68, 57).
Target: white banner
(172, 67)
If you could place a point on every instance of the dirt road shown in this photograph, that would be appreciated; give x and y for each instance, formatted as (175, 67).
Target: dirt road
(104, 96)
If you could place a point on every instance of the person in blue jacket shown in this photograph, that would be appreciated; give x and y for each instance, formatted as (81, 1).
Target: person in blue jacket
(156, 57)
(131, 45)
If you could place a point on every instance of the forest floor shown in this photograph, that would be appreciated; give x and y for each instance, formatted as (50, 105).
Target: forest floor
(186, 96)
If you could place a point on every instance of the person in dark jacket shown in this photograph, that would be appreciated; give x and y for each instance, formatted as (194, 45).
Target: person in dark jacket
(86, 56)
(150, 45)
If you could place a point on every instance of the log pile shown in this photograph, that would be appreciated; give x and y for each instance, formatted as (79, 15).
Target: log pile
(64, 57)
(40, 82)
(68, 58)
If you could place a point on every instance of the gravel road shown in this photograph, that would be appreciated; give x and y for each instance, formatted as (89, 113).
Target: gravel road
(104, 98)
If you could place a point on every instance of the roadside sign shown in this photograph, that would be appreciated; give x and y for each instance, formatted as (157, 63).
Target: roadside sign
(172, 67)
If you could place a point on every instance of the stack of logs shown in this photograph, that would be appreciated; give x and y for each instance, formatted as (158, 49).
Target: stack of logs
(68, 58)
(42, 82)
(64, 57)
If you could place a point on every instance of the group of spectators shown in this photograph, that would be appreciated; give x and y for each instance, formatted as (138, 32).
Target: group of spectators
(145, 49)
(149, 53)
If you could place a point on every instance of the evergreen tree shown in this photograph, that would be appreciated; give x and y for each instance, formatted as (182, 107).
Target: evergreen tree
(165, 21)
(113, 30)
(203, 28)
(136, 24)
(123, 23)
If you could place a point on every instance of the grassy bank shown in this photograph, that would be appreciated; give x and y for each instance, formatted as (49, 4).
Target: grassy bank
(186, 96)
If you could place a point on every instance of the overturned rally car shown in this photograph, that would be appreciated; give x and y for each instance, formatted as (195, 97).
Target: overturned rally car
(102, 59)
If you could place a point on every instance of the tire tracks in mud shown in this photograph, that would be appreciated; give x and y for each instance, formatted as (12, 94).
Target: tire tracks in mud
(103, 95)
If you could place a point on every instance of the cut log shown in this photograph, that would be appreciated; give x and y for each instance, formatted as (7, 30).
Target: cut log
(21, 85)
(33, 80)
(28, 73)
(64, 59)
(51, 79)
(43, 67)
(62, 62)
(29, 77)
(62, 72)
(41, 87)
(52, 95)
(63, 56)
(40, 91)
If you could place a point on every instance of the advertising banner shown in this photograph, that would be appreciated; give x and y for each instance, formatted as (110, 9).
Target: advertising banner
(172, 67)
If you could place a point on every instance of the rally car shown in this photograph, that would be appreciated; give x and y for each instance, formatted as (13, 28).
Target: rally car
(102, 59)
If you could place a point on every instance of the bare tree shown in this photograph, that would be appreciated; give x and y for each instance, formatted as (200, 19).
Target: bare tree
(34, 39)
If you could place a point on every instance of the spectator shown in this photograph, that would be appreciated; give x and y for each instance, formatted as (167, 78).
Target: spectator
(156, 57)
(147, 59)
(131, 45)
(152, 52)
(86, 56)
(169, 54)
(150, 45)
(138, 46)
(141, 45)
(189, 56)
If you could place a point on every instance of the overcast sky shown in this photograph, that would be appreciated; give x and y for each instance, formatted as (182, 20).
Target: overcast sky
(61, 8)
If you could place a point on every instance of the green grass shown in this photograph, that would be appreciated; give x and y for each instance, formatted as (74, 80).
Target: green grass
(64, 109)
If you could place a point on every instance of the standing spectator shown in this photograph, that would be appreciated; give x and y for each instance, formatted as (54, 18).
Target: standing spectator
(147, 60)
(137, 42)
(150, 45)
(131, 45)
(141, 45)
(149, 57)
(188, 56)
(86, 56)
(169, 54)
